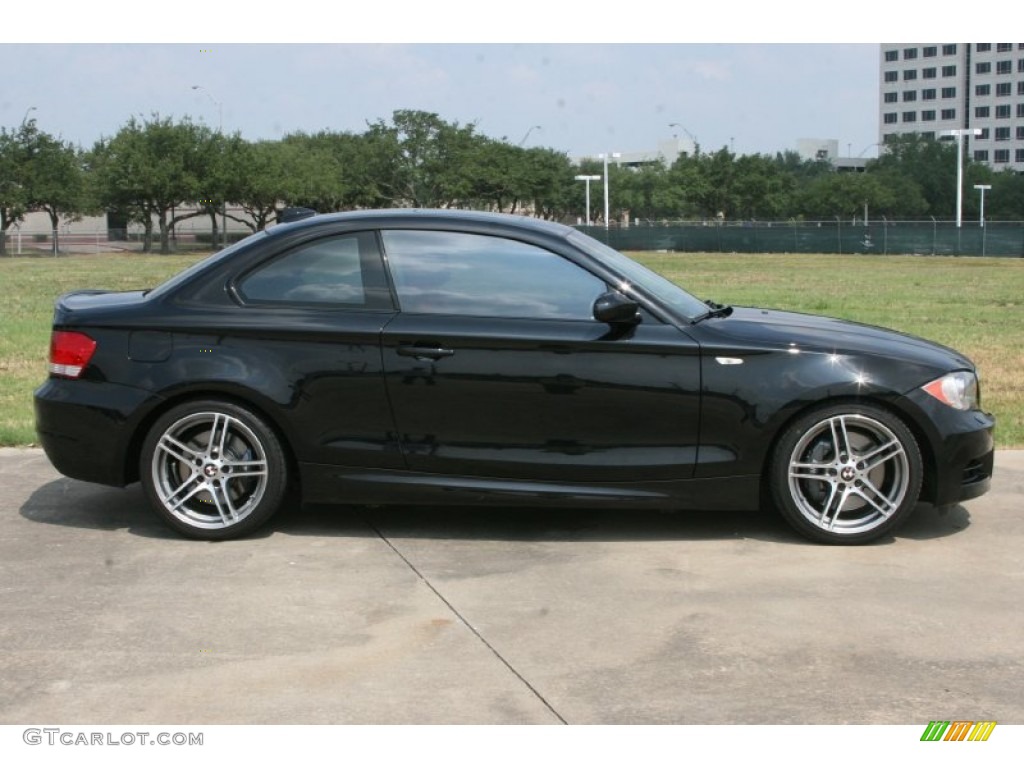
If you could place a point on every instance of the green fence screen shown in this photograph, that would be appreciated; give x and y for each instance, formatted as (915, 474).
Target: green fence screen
(924, 238)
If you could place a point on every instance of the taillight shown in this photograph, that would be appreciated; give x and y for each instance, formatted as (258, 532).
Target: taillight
(70, 352)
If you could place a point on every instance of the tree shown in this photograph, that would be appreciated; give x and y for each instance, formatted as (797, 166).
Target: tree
(429, 159)
(148, 169)
(13, 194)
(54, 177)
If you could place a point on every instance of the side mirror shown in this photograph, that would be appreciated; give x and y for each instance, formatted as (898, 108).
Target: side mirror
(614, 308)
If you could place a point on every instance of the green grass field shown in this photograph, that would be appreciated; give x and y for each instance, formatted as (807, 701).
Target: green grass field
(973, 304)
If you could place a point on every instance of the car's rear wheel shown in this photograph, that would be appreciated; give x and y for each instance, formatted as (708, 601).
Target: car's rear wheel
(846, 474)
(213, 469)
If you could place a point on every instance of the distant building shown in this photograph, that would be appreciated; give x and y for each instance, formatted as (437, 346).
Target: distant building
(928, 88)
(667, 151)
(827, 150)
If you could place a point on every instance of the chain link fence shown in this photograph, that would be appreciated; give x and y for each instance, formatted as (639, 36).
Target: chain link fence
(922, 238)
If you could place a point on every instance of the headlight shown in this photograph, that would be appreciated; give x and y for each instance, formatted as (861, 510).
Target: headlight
(957, 390)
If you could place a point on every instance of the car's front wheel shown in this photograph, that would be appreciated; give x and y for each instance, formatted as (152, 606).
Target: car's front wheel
(846, 474)
(213, 469)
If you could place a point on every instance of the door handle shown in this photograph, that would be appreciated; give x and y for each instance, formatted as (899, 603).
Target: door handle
(424, 352)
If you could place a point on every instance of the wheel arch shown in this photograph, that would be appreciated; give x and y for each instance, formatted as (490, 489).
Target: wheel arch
(208, 392)
(924, 444)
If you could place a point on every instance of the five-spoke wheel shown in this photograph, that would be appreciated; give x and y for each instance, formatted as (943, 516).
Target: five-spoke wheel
(213, 470)
(846, 473)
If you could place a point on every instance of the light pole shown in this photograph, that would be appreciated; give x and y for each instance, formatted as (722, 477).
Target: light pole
(220, 130)
(604, 156)
(981, 188)
(682, 127)
(960, 133)
(25, 117)
(981, 217)
(531, 129)
(588, 179)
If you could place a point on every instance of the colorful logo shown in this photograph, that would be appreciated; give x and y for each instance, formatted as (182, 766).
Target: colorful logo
(958, 730)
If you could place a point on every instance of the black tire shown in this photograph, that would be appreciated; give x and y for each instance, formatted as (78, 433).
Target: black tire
(213, 470)
(846, 474)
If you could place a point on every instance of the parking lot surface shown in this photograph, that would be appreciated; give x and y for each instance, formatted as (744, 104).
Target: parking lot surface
(472, 615)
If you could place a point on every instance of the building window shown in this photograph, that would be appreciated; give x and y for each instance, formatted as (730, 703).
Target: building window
(1004, 67)
(982, 90)
(982, 47)
(949, 93)
(1020, 131)
(981, 155)
(889, 118)
(930, 135)
(1018, 156)
(910, 74)
(1003, 111)
(891, 97)
(983, 136)
(949, 70)
(892, 55)
(981, 111)
(1002, 134)
(910, 95)
(909, 117)
(949, 114)
(1020, 110)
(892, 77)
(930, 51)
(910, 53)
(928, 94)
(983, 67)
(1003, 89)
(929, 73)
(1001, 156)
(1003, 47)
(949, 49)
(888, 137)
(928, 115)
(1020, 88)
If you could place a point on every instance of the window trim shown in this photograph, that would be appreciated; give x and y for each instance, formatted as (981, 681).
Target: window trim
(383, 278)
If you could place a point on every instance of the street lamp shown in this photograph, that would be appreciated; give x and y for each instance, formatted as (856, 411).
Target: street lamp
(960, 133)
(604, 156)
(531, 129)
(25, 117)
(683, 129)
(588, 179)
(981, 188)
(220, 130)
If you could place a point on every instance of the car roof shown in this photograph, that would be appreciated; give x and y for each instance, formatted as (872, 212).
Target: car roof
(426, 216)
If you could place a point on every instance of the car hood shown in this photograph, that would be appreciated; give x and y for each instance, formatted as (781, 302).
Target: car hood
(814, 333)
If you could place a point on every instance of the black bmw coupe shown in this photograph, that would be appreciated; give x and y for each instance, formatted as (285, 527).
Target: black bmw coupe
(466, 358)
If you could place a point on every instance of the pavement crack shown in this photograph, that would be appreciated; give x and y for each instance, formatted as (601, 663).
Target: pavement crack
(466, 623)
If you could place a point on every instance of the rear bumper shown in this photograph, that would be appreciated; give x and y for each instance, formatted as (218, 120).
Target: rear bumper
(86, 427)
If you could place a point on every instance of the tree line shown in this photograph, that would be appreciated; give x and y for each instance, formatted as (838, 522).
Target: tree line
(160, 171)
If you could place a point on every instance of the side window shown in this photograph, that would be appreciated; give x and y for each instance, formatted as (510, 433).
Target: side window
(454, 273)
(344, 271)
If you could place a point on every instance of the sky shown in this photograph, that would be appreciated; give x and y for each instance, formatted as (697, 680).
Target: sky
(582, 78)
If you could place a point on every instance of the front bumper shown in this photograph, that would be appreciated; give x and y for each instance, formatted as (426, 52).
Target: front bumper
(86, 427)
(962, 450)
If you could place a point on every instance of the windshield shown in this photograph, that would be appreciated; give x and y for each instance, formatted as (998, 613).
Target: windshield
(661, 289)
(199, 266)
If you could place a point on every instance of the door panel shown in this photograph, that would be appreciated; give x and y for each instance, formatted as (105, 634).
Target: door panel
(543, 399)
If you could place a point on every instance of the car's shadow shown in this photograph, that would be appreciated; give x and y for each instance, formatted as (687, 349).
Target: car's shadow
(83, 505)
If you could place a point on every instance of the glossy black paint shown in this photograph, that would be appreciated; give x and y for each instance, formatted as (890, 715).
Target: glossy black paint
(380, 405)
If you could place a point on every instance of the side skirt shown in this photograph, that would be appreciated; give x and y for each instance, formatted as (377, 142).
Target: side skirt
(324, 484)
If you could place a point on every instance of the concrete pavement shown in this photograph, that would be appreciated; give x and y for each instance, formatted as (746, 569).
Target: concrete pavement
(404, 615)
